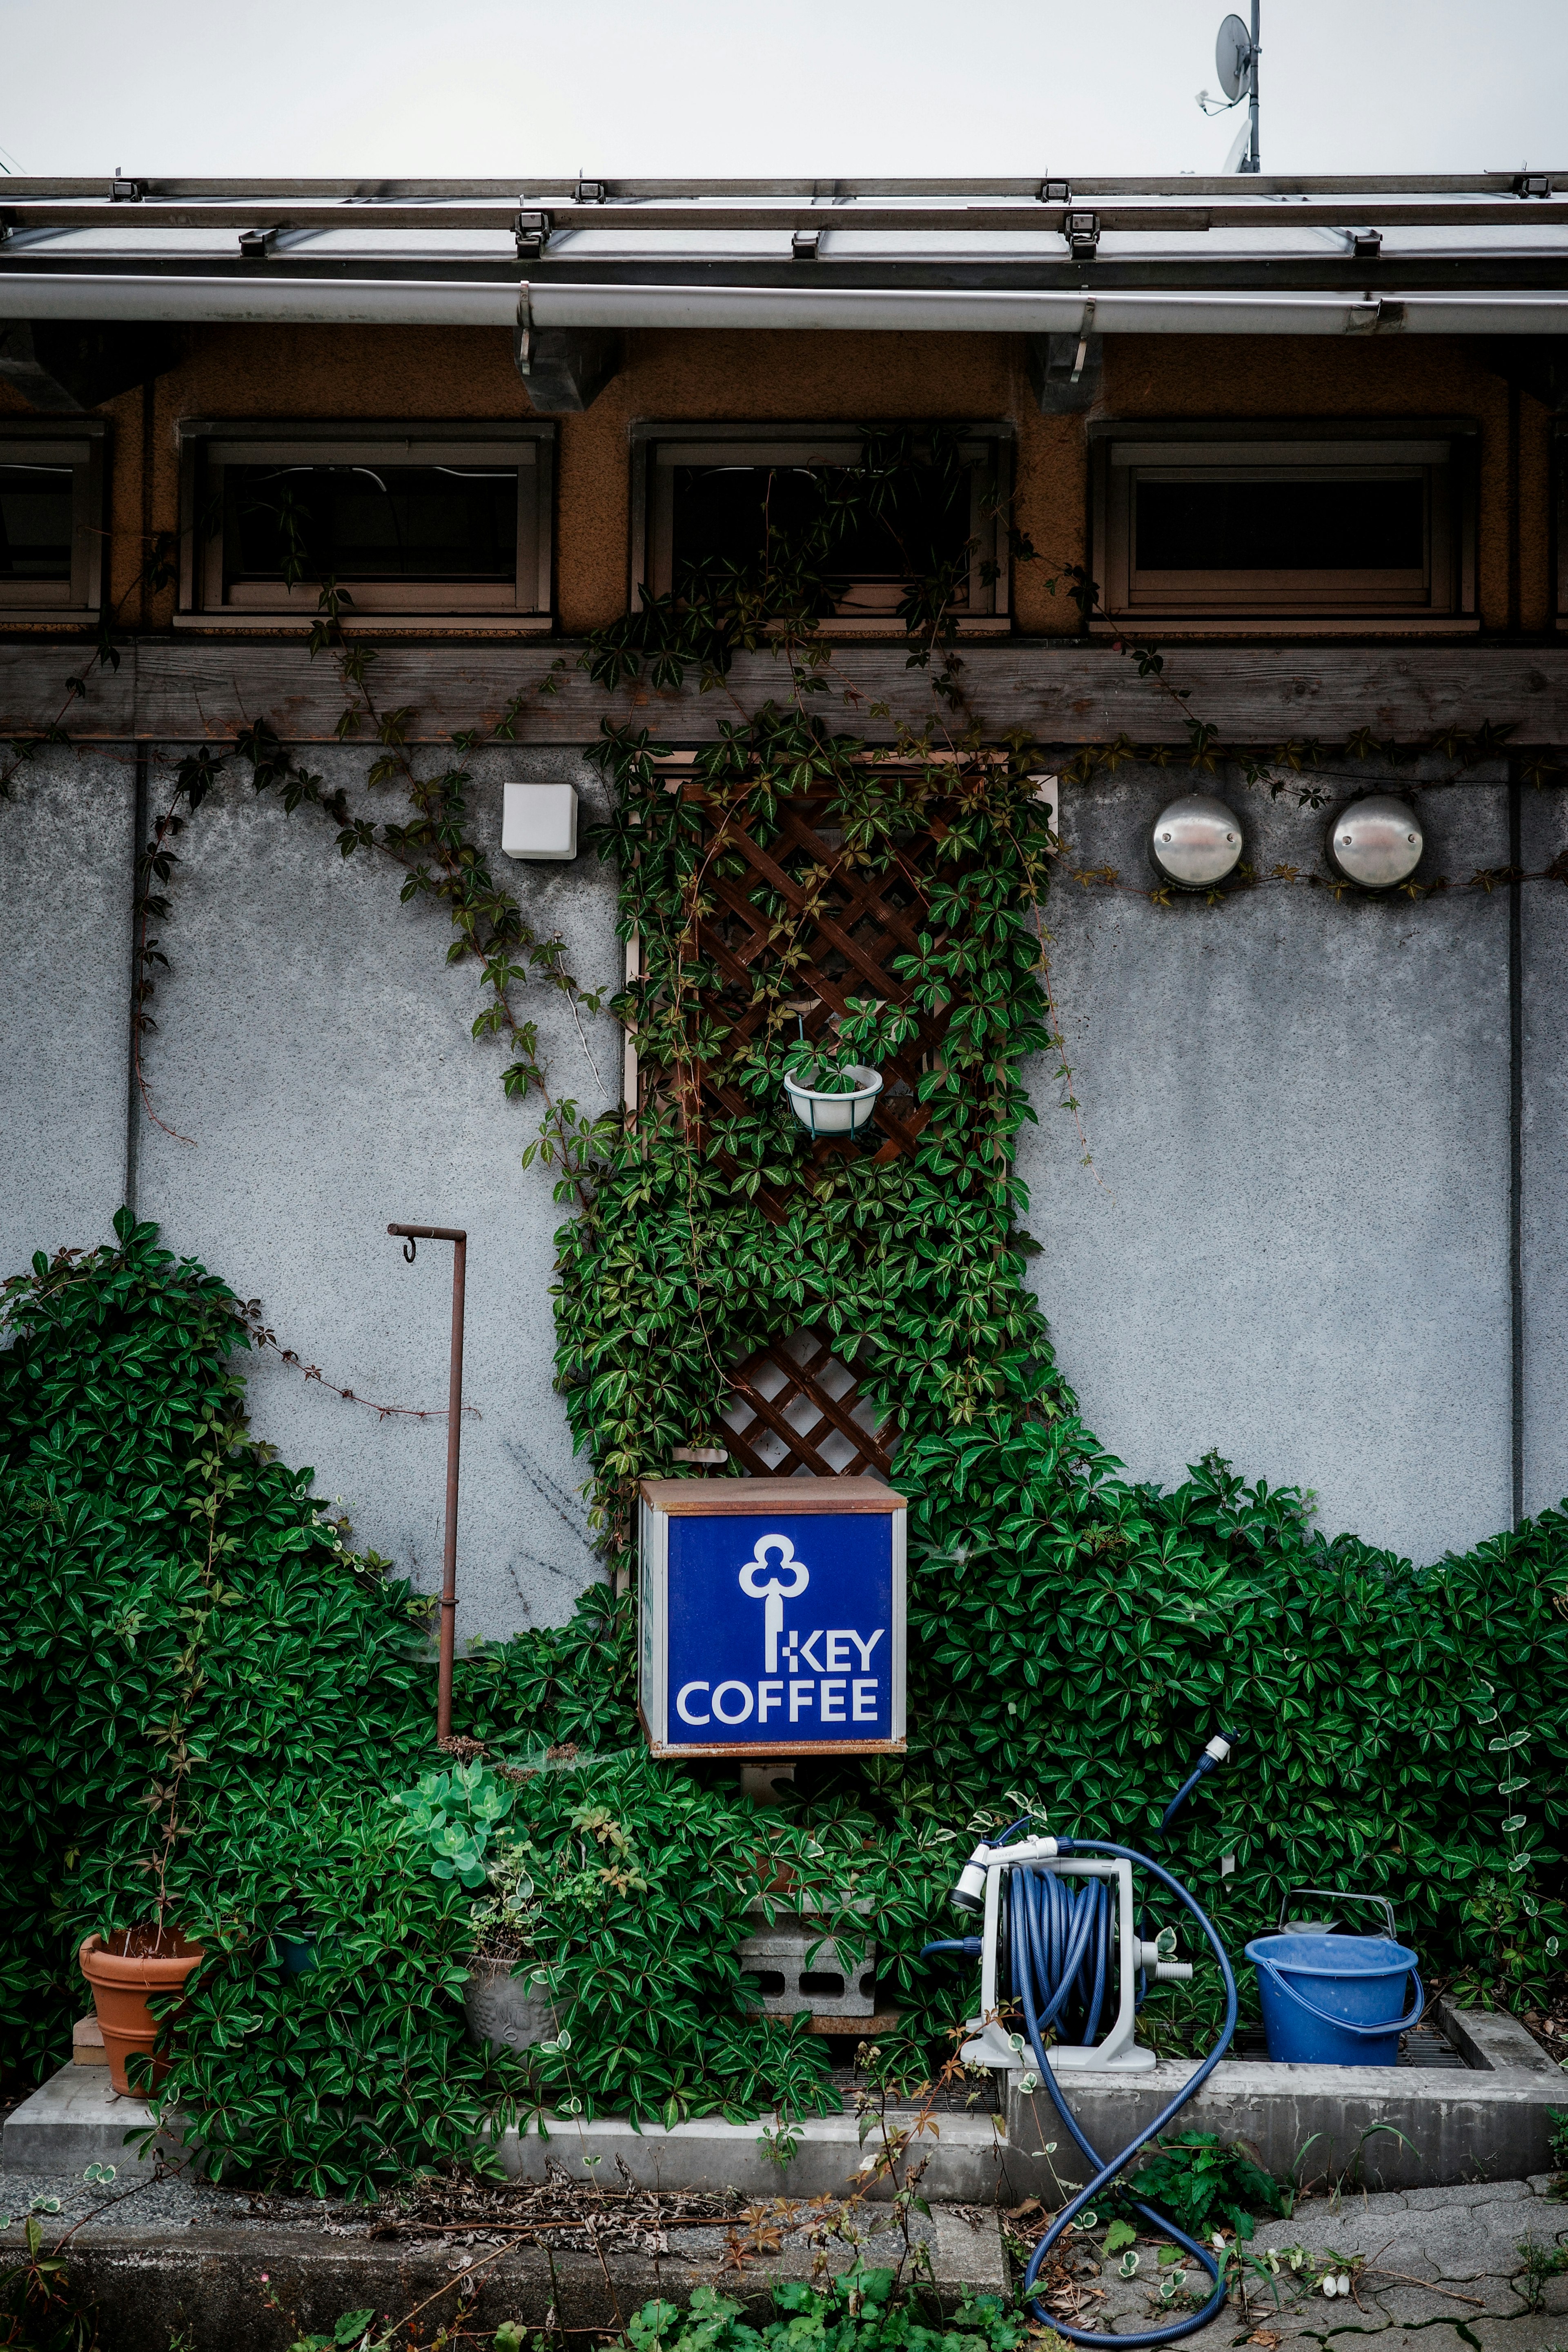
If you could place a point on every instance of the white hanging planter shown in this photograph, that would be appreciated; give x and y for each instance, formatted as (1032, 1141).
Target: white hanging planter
(836, 1114)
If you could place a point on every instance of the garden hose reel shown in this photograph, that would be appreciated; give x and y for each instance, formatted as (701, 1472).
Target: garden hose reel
(1056, 1939)
(1096, 1949)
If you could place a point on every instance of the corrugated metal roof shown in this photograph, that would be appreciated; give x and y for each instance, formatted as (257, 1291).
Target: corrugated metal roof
(1493, 235)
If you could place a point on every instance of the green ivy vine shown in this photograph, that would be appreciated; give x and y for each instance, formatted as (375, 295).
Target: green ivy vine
(169, 1590)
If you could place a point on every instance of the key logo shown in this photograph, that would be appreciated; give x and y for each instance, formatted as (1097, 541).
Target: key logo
(762, 1579)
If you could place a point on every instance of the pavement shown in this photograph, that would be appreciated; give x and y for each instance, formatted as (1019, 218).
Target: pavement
(1482, 2268)
(1472, 2269)
(213, 2271)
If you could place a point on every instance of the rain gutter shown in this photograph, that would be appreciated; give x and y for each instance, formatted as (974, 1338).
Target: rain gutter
(277, 301)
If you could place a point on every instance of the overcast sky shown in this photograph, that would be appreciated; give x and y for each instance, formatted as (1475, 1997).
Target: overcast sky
(703, 89)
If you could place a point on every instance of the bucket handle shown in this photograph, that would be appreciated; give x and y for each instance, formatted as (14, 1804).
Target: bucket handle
(1379, 1902)
(1344, 2025)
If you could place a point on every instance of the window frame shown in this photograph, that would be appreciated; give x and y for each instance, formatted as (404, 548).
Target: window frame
(81, 444)
(207, 445)
(988, 612)
(1330, 603)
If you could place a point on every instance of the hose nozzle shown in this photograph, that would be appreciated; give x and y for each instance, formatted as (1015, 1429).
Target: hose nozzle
(969, 1894)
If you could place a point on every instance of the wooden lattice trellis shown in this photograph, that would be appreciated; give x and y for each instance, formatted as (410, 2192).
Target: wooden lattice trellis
(851, 926)
(796, 1407)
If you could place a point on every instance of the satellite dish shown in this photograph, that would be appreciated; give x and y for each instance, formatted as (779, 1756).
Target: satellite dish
(1240, 147)
(1232, 57)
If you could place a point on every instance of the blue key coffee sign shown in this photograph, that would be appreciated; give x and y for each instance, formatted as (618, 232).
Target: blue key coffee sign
(772, 1616)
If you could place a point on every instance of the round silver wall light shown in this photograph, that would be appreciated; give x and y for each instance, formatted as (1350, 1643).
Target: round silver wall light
(1195, 842)
(1375, 843)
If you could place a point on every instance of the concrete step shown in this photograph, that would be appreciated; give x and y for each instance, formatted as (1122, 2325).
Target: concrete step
(87, 2043)
(200, 2285)
(75, 2119)
(965, 2156)
(1490, 2121)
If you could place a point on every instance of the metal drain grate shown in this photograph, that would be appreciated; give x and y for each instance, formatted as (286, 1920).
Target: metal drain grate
(1423, 2045)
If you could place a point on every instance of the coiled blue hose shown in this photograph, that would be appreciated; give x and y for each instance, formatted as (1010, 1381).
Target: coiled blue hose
(1061, 1940)
(1062, 1965)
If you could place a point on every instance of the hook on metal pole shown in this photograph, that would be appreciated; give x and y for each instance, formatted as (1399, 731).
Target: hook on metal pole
(459, 1239)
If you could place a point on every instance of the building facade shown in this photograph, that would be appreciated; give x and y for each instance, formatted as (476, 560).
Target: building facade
(1303, 440)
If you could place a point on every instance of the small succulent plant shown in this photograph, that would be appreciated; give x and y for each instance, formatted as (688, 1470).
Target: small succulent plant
(453, 1814)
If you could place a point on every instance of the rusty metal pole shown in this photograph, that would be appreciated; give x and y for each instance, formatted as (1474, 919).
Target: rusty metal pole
(412, 1236)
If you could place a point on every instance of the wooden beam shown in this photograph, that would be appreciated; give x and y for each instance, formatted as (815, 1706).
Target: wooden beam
(187, 689)
(957, 216)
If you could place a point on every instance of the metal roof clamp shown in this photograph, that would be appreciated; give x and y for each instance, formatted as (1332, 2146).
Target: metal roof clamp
(122, 191)
(531, 231)
(1376, 316)
(590, 192)
(1086, 329)
(803, 243)
(1065, 370)
(255, 244)
(1366, 243)
(1081, 231)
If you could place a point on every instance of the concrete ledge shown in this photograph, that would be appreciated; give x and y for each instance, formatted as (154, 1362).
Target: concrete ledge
(966, 2156)
(1491, 2122)
(1492, 2041)
(264, 2286)
(76, 2119)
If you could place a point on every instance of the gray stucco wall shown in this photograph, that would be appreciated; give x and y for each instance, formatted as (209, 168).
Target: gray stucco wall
(65, 999)
(314, 1045)
(1294, 1243)
(1544, 943)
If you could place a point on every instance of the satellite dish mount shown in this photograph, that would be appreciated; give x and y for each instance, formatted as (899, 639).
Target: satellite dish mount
(1235, 56)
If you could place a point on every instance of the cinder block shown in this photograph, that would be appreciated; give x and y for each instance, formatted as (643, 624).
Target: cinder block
(803, 1972)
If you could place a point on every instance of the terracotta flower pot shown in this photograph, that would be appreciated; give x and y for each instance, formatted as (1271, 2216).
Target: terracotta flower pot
(121, 1982)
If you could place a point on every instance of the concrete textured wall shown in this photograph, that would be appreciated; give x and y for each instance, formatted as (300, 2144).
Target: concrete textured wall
(1544, 1199)
(314, 1046)
(1293, 1246)
(65, 999)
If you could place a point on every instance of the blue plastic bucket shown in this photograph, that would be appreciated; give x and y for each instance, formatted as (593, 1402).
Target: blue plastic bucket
(1335, 2000)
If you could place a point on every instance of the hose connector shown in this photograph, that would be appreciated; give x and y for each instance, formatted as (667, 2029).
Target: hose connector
(968, 1947)
(969, 1894)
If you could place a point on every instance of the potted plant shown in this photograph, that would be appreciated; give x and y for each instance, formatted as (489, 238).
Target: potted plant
(508, 1997)
(828, 1093)
(295, 1930)
(131, 1966)
(456, 1815)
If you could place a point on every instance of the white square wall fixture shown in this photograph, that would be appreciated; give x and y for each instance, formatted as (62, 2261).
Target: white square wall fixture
(540, 821)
